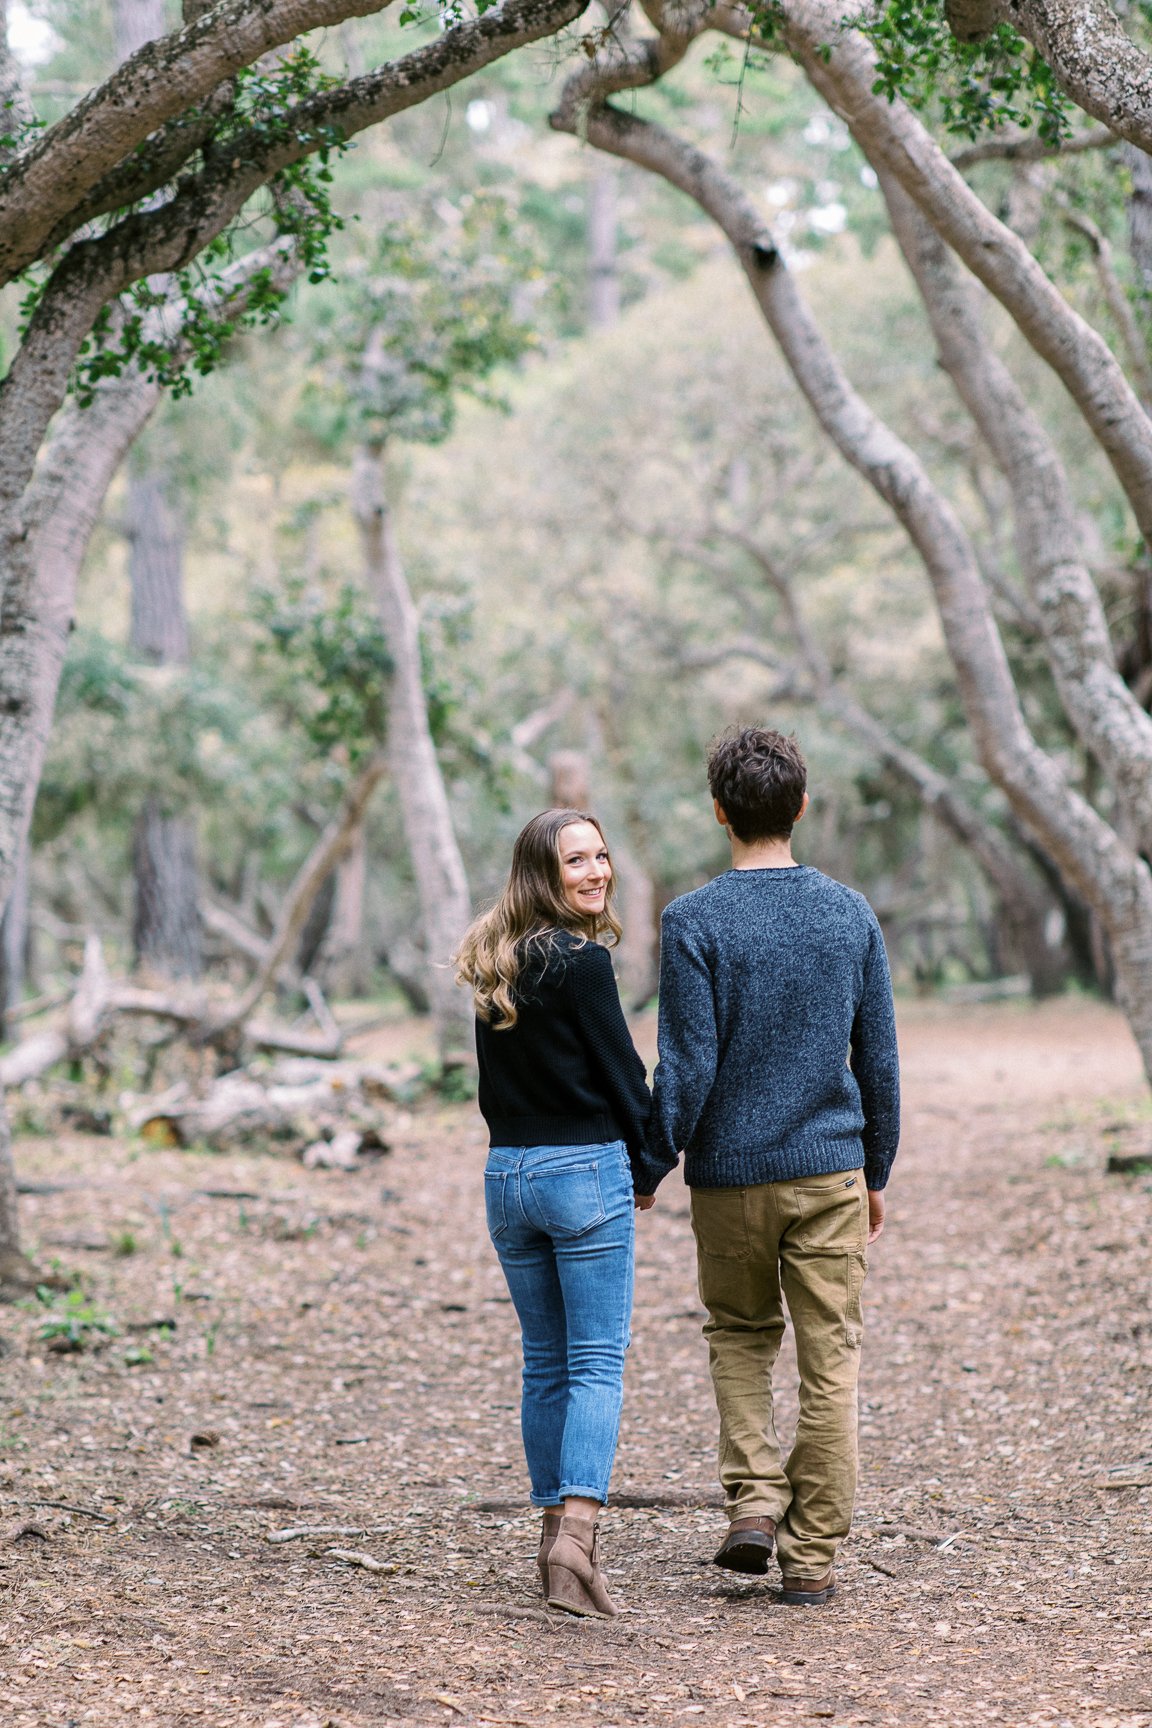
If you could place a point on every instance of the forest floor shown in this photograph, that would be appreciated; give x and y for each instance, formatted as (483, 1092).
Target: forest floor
(337, 1349)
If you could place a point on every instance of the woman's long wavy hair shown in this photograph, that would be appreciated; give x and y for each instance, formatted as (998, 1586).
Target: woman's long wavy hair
(526, 919)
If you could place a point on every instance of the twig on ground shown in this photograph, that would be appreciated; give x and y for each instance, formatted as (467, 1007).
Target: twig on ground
(876, 1567)
(513, 1611)
(300, 1531)
(80, 1511)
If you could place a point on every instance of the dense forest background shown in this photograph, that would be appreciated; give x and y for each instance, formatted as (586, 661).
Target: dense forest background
(621, 526)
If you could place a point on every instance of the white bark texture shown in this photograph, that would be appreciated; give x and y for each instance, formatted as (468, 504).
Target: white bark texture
(1091, 857)
(1093, 58)
(438, 868)
(14, 941)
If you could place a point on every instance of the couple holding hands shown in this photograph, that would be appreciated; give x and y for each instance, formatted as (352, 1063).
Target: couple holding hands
(778, 1081)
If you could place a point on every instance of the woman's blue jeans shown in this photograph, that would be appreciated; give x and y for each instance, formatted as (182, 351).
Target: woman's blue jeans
(561, 1219)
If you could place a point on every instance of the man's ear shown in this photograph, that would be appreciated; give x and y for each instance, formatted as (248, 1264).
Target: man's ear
(804, 803)
(720, 816)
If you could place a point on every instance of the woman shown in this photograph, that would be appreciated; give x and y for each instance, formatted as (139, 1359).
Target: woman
(564, 1095)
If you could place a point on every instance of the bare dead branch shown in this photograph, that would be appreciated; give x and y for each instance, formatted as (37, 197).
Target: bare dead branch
(310, 878)
(1018, 146)
(1118, 303)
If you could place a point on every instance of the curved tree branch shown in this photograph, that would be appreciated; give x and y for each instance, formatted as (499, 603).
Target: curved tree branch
(1014, 146)
(842, 67)
(94, 271)
(1089, 853)
(1106, 715)
(162, 79)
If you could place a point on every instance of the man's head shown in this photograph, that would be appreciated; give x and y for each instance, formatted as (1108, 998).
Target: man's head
(759, 780)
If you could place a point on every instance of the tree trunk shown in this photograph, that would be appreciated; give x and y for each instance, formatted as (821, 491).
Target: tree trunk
(437, 866)
(569, 781)
(166, 931)
(17, 1273)
(14, 941)
(1139, 167)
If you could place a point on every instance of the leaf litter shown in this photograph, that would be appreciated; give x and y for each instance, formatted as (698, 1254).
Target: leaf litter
(999, 1571)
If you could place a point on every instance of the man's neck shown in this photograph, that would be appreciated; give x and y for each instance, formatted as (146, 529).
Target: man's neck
(761, 854)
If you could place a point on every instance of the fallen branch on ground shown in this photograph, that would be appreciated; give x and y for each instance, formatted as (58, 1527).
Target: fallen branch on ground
(353, 1557)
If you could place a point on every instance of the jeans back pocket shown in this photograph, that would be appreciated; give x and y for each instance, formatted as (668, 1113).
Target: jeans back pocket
(494, 1181)
(567, 1200)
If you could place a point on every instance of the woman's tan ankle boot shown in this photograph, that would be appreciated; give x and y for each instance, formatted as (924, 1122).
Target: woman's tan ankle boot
(549, 1530)
(575, 1582)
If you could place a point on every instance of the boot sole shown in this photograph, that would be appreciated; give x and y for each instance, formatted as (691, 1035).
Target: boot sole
(580, 1613)
(747, 1557)
(808, 1598)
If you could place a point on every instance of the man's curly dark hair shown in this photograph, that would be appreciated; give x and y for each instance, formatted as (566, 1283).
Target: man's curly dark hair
(758, 778)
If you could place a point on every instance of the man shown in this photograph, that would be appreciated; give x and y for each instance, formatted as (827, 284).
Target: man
(778, 1080)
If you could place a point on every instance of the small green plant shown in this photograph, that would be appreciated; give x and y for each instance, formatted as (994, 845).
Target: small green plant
(137, 1356)
(210, 1338)
(124, 1244)
(184, 1508)
(454, 1082)
(75, 1323)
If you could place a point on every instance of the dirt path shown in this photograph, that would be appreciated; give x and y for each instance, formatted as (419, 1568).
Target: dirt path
(344, 1349)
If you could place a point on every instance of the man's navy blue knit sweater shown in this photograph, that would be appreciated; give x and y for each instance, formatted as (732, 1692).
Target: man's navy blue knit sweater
(777, 1034)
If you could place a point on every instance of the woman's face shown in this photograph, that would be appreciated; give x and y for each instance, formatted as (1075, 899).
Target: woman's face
(584, 868)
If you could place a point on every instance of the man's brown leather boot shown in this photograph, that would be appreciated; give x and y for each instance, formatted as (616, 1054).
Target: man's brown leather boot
(807, 1592)
(748, 1545)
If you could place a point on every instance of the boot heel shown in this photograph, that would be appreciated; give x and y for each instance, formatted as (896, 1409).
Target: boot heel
(575, 1581)
(569, 1592)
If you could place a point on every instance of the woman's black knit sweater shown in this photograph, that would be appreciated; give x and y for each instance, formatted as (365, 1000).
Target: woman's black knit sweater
(567, 1073)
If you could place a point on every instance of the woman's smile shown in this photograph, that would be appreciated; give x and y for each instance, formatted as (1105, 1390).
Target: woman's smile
(585, 868)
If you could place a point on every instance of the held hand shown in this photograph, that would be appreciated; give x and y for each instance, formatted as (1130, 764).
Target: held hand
(876, 1210)
(644, 1202)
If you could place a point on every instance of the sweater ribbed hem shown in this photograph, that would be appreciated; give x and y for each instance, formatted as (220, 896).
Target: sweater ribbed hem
(751, 1168)
(552, 1131)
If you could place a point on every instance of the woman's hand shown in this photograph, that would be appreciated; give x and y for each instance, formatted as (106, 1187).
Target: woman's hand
(644, 1202)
